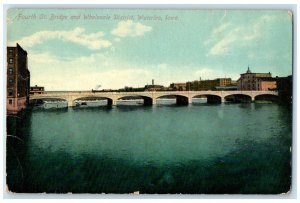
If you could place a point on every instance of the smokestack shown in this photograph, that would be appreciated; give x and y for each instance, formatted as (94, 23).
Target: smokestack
(152, 81)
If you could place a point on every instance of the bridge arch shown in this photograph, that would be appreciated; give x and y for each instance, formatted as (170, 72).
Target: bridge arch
(267, 97)
(93, 98)
(147, 101)
(181, 100)
(40, 101)
(210, 98)
(238, 98)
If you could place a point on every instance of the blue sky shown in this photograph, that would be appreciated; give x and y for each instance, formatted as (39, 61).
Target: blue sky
(78, 54)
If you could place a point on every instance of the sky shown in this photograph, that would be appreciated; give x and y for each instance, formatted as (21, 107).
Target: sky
(80, 49)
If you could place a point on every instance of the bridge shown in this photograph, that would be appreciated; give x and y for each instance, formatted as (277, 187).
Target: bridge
(150, 97)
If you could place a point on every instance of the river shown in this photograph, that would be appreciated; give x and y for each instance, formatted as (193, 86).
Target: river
(195, 149)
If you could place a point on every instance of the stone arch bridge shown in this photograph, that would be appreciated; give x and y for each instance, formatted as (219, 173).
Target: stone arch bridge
(182, 97)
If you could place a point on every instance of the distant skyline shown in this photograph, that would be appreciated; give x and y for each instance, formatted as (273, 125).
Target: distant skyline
(78, 49)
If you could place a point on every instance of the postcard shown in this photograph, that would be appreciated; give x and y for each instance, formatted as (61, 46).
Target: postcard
(149, 101)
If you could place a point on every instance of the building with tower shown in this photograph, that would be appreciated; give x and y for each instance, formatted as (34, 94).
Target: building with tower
(154, 87)
(256, 81)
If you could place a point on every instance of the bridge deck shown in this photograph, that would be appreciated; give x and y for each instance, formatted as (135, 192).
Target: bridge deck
(71, 96)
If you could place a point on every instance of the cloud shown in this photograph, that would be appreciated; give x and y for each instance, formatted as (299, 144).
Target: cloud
(256, 29)
(86, 72)
(117, 39)
(77, 35)
(227, 35)
(222, 46)
(130, 29)
(221, 28)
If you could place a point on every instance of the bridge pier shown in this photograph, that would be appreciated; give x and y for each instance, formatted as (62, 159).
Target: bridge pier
(153, 101)
(223, 100)
(109, 102)
(148, 101)
(182, 101)
(70, 103)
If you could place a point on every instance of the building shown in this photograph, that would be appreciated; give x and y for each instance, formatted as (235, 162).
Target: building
(36, 90)
(178, 86)
(223, 82)
(285, 88)
(284, 83)
(265, 84)
(203, 85)
(154, 87)
(18, 79)
(212, 84)
(256, 81)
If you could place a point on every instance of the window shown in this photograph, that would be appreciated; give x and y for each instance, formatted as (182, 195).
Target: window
(10, 70)
(10, 101)
(10, 51)
(10, 60)
(10, 92)
(11, 81)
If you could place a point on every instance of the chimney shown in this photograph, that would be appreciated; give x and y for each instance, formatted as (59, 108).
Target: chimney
(152, 81)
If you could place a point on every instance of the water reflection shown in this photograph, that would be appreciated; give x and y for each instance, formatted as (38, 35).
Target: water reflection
(92, 109)
(125, 108)
(51, 110)
(190, 149)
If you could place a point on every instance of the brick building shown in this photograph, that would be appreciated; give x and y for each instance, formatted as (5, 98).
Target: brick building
(208, 84)
(265, 84)
(256, 81)
(178, 86)
(18, 79)
(202, 85)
